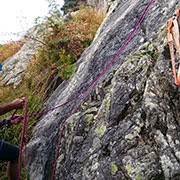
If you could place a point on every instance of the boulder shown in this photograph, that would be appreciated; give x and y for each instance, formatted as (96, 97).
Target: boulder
(15, 66)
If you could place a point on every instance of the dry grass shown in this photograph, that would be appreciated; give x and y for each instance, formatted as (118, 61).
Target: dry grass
(67, 41)
(65, 45)
(9, 49)
(77, 34)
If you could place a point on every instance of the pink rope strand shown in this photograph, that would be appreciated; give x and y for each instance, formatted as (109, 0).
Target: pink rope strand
(104, 70)
(96, 80)
(23, 132)
(61, 129)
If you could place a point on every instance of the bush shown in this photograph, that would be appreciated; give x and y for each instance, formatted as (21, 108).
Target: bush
(66, 41)
(63, 45)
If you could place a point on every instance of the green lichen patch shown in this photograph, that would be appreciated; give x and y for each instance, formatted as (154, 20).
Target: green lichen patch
(89, 118)
(101, 130)
(138, 177)
(144, 160)
(107, 101)
(114, 168)
(128, 168)
(108, 105)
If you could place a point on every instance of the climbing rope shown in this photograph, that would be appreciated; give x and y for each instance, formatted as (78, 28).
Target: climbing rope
(62, 126)
(23, 141)
(85, 92)
(173, 37)
(14, 119)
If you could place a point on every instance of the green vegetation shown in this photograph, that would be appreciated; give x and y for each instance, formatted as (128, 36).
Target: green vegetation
(138, 177)
(66, 41)
(101, 130)
(114, 168)
(129, 168)
(63, 43)
(89, 118)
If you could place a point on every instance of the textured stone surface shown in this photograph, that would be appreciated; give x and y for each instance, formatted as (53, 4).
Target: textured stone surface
(129, 127)
(15, 66)
(100, 4)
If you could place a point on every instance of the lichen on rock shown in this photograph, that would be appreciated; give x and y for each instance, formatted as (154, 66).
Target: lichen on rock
(133, 130)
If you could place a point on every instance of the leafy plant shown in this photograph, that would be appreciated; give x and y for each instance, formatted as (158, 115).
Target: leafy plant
(61, 53)
(63, 43)
(66, 41)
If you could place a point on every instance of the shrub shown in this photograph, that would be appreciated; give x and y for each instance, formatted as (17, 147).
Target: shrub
(63, 45)
(66, 41)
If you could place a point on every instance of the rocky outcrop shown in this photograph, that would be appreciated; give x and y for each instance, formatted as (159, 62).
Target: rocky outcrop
(15, 66)
(128, 127)
(102, 5)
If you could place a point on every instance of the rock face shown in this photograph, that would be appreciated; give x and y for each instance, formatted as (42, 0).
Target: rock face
(15, 66)
(129, 125)
(100, 4)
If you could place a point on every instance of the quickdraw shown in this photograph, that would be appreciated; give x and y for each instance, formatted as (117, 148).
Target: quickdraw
(173, 37)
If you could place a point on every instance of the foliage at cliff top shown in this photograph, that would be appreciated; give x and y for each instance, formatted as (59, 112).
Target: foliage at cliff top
(65, 41)
(64, 44)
